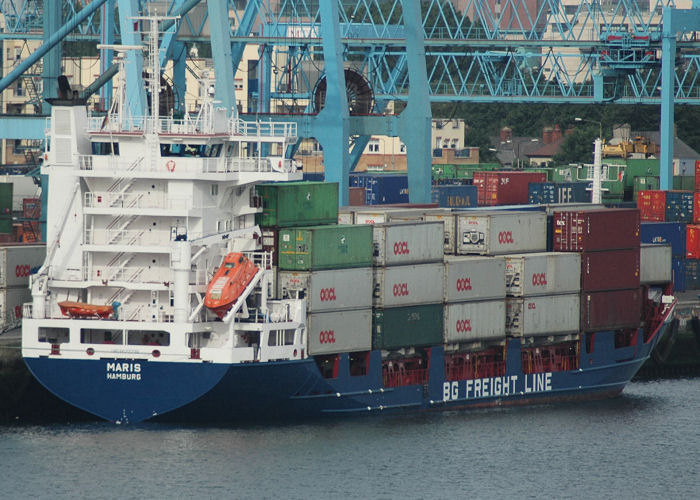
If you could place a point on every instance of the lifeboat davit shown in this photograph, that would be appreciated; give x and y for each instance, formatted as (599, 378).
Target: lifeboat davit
(84, 310)
(229, 282)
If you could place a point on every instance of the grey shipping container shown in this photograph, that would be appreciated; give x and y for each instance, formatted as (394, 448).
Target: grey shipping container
(655, 264)
(17, 262)
(543, 273)
(448, 220)
(399, 286)
(407, 326)
(378, 215)
(475, 321)
(340, 331)
(474, 278)
(404, 243)
(11, 300)
(330, 290)
(501, 232)
(543, 315)
(346, 215)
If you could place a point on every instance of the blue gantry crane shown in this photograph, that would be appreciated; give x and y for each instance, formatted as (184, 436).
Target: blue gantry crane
(334, 66)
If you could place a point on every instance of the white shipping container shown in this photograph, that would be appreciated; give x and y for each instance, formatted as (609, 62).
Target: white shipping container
(474, 321)
(501, 232)
(470, 278)
(18, 261)
(402, 243)
(328, 290)
(376, 215)
(11, 300)
(340, 331)
(408, 285)
(346, 216)
(448, 219)
(543, 315)
(543, 273)
(655, 264)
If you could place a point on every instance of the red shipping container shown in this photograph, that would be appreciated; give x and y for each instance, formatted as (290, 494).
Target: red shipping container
(505, 188)
(611, 309)
(270, 242)
(697, 175)
(696, 205)
(356, 196)
(591, 230)
(651, 205)
(609, 270)
(692, 241)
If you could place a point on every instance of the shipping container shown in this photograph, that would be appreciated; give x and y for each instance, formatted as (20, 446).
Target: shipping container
(501, 232)
(287, 204)
(671, 233)
(475, 321)
(611, 310)
(325, 247)
(543, 273)
(644, 184)
(692, 241)
(696, 207)
(542, 315)
(670, 206)
(609, 270)
(558, 192)
(17, 262)
(346, 215)
(400, 243)
(609, 229)
(470, 278)
(505, 187)
(448, 220)
(379, 215)
(697, 176)
(399, 327)
(399, 286)
(455, 196)
(678, 271)
(356, 196)
(11, 300)
(330, 290)
(383, 188)
(340, 331)
(683, 182)
(655, 264)
(691, 268)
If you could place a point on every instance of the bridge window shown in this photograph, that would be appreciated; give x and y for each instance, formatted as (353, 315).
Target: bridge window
(148, 337)
(100, 336)
(54, 335)
(105, 148)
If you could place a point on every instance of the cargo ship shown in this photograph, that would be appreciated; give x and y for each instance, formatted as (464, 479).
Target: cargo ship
(428, 310)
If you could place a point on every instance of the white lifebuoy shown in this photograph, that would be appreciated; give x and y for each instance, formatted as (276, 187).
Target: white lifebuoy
(170, 165)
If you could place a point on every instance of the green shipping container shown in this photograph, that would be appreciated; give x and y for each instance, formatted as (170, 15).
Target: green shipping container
(6, 199)
(443, 172)
(684, 183)
(396, 327)
(5, 225)
(643, 183)
(288, 204)
(325, 247)
(640, 168)
(565, 174)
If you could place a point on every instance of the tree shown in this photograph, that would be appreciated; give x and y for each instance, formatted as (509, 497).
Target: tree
(577, 146)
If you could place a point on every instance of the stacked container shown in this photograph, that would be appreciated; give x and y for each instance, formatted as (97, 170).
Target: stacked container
(558, 192)
(474, 299)
(543, 294)
(407, 284)
(670, 206)
(17, 263)
(673, 234)
(608, 241)
(505, 187)
(500, 232)
(455, 196)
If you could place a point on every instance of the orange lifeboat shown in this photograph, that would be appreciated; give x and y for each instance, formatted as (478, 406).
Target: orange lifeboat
(229, 282)
(84, 310)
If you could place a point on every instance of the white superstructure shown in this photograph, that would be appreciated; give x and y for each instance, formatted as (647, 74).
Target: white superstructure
(140, 212)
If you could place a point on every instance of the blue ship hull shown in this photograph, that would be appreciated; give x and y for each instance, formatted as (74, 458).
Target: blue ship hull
(136, 390)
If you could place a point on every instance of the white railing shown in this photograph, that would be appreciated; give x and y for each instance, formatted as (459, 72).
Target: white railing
(190, 126)
(104, 199)
(129, 274)
(142, 237)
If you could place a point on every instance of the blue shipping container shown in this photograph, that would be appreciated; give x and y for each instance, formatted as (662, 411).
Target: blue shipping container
(678, 269)
(313, 176)
(692, 274)
(679, 206)
(381, 189)
(558, 192)
(665, 233)
(454, 196)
